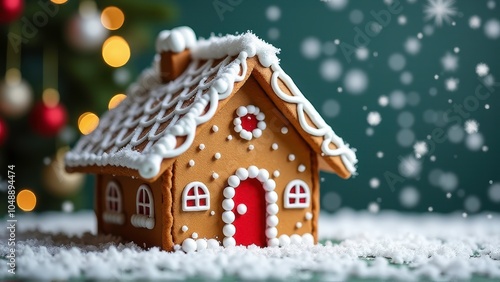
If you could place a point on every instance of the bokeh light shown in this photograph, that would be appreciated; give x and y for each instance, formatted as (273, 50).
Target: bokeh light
(87, 122)
(115, 51)
(58, 1)
(26, 200)
(50, 97)
(116, 100)
(112, 18)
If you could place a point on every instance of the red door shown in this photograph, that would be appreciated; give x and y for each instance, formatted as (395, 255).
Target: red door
(250, 213)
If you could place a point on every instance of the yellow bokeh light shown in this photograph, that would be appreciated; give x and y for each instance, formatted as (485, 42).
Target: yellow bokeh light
(58, 1)
(116, 100)
(87, 122)
(50, 97)
(112, 18)
(115, 51)
(26, 200)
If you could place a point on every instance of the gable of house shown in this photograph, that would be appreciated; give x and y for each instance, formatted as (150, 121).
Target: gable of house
(218, 152)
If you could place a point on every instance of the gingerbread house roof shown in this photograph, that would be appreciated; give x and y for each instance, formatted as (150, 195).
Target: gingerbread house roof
(158, 121)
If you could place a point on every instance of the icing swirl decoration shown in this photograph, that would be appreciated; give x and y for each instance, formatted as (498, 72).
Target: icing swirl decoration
(249, 122)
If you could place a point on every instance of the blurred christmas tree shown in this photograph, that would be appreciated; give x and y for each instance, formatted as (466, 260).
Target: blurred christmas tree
(65, 63)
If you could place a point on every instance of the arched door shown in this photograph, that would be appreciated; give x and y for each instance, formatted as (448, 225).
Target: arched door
(250, 213)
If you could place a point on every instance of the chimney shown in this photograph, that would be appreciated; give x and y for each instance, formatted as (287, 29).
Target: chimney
(173, 47)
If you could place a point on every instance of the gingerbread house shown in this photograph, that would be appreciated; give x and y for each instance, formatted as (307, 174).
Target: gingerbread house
(214, 144)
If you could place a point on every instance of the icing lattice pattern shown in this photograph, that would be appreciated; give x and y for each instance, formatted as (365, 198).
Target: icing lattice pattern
(145, 124)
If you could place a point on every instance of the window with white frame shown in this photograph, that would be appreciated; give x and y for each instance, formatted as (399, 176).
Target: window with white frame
(195, 197)
(144, 216)
(144, 201)
(113, 197)
(297, 195)
(113, 204)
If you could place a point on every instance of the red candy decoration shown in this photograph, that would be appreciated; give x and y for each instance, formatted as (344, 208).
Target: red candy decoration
(249, 122)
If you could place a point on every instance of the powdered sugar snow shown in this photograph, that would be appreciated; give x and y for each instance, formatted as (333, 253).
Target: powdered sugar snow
(385, 245)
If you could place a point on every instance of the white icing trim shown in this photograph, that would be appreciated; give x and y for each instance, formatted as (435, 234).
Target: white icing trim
(259, 116)
(142, 221)
(296, 239)
(195, 245)
(110, 143)
(297, 195)
(320, 128)
(113, 217)
(196, 197)
(271, 197)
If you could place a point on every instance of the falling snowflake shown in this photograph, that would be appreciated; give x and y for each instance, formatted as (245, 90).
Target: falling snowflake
(449, 62)
(374, 118)
(383, 101)
(440, 10)
(451, 84)
(412, 45)
(482, 69)
(410, 167)
(471, 126)
(362, 53)
(420, 149)
(492, 29)
(475, 22)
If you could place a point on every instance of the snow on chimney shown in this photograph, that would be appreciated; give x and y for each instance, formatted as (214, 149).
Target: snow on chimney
(173, 47)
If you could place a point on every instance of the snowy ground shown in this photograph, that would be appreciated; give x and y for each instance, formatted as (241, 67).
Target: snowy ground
(385, 246)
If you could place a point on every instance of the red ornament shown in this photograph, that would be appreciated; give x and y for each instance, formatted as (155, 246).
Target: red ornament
(10, 10)
(3, 132)
(48, 121)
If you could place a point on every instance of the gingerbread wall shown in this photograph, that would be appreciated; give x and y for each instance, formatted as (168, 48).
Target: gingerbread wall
(128, 186)
(201, 163)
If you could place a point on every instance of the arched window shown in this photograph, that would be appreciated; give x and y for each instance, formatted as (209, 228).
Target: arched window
(113, 204)
(297, 195)
(144, 201)
(144, 208)
(113, 197)
(195, 197)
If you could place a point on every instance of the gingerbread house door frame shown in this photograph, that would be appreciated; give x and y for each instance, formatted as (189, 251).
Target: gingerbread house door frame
(236, 213)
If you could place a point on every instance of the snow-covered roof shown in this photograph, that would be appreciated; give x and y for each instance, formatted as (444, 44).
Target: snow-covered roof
(158, 120)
